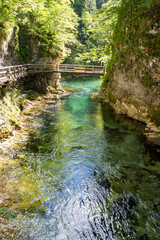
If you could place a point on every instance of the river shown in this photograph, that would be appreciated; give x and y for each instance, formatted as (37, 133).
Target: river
(88, 174)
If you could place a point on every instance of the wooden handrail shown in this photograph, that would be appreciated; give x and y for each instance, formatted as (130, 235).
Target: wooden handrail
(68, 68)
(12, 73)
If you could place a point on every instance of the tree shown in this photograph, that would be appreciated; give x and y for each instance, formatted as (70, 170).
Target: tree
(78, 6)
(90, 6)
(100, 2)
(51, 24)
(98, 31)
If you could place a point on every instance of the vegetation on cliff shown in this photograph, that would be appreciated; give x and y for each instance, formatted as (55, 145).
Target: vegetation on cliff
(136, 32)
(43, 24)
(117, 28)
(11, 105)
(82, 50)
(131, 55)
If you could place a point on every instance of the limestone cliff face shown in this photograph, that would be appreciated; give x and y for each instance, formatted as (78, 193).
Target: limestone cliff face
(132, 87)
(41, 82)
(9, 56)
(135, 92)
(137, 98)
(8, 48)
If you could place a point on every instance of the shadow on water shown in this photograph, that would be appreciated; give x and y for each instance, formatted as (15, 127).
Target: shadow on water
(90, 174)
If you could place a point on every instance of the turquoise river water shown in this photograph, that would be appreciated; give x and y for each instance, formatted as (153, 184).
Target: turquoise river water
(88, 174)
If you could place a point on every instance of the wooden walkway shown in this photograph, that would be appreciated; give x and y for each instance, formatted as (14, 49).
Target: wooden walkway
(12, 73)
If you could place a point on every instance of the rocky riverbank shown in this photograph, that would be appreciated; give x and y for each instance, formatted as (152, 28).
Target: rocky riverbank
(18, 107)
(131, 85)
(151, 132)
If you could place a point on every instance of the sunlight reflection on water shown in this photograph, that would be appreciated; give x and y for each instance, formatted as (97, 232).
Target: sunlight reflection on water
(88, 174)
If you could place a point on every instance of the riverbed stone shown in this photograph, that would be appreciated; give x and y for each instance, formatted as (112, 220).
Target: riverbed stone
(51, 102)
(31, 111)
(21, 156)
(39, 98)
(5, 200)
(50, 96)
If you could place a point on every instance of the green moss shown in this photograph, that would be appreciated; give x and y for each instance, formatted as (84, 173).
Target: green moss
(112, 97)
(121, 62)
(7, 213)
(11, 106)
(132, 36)
(25, 39)
(147, 79)
(21, 156)
(128, 66)
(155, 115)
(109, 67)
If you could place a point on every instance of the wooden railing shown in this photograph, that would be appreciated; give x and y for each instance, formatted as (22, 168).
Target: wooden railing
(67, 68)
(12, 73)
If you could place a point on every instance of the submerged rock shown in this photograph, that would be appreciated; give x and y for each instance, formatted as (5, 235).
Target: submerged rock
(122, 208)
(105, 183)
(143, 237)
(158, 209)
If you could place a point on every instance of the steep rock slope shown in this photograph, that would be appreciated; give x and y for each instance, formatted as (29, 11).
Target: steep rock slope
(132, 85)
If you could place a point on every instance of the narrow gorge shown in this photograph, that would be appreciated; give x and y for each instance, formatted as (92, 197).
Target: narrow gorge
(79, 154)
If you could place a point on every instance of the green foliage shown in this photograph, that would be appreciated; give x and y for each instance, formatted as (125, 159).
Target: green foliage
(117, 30)
(11, 11)
(25, 41)
(147, 79)
(78, 6)
(131, 33)
(90, 5)
(98, 31)
(100, 2)
(7, 213)
(85, 51)
(48, 25)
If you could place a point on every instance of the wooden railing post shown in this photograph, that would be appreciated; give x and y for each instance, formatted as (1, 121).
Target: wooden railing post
(14, 72)
(9, 73)
(18, 72)
(21, 72)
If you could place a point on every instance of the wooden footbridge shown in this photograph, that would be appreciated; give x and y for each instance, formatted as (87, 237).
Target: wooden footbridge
(12, 73)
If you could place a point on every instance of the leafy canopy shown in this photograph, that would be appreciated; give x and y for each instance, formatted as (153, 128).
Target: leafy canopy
(50, 23)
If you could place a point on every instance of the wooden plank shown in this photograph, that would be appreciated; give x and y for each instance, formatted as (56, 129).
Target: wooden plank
(2, 78)
(14, 72)
(3, 72)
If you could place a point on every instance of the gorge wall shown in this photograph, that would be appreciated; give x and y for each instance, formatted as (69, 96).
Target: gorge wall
(132, 85)
(9, 56)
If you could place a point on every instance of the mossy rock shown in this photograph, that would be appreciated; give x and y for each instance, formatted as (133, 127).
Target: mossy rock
(21, 156)
(112, 98)
(31, 111)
